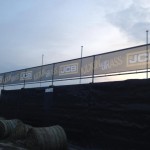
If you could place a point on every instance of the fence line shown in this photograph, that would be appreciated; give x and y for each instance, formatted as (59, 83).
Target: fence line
(125, 61)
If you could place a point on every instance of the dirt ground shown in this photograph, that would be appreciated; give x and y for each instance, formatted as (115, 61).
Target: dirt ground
(10, 146)
(19, 146)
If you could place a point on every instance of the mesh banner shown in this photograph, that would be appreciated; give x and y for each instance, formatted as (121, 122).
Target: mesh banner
(41, 73)
(131, 59)
(87, 66)
(16, 77)
(121, 61)
(35, 74)
(7, 78)
(68, 69)
(13, 77)
(1, 79)
(47, 72)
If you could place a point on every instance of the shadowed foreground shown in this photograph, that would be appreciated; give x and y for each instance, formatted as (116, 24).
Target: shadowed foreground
(108, 116)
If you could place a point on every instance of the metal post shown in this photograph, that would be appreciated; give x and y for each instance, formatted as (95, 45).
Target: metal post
(4, 81)
(93, 69)
(42, 68)
(147, 53)
(24, 79)
(81, 63)
(42, 59)
(53, 74)
(3, 86)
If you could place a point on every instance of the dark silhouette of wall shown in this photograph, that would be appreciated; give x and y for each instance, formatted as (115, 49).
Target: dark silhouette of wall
(112, 115)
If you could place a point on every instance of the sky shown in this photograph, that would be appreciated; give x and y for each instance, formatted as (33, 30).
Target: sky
(58, 28)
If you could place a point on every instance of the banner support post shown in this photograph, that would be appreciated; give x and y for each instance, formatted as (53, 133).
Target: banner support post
(53, 74)
(81, 63)
(25, 79)
(4, 82)
(93, 69)
(147, 52)
(41, 69)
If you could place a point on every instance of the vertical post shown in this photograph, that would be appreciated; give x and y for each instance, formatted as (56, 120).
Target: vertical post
(4, 81)
(42, 68)
(93, 69)
(53, 74)
(42, 59)
(3, 86)
(81, 63)
(147, 52)
(24, 79)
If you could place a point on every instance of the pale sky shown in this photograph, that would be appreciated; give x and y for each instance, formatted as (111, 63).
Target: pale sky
(58, 29)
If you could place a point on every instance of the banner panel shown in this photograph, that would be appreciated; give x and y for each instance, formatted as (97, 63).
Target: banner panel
(28, 75)
(16, 77)
(137, 59)
(121, 61)
(47, 72)
(1, 78)
(32, 74)
(7, 78)
(37, 74)
(68, 69)
(87, 66)
(12, 77)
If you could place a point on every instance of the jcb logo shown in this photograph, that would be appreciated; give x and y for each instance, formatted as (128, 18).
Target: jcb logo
(137, 58)
(68, 69)
(26, 75)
